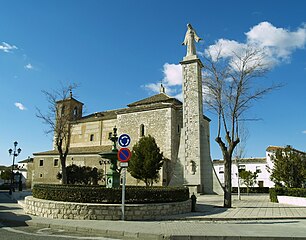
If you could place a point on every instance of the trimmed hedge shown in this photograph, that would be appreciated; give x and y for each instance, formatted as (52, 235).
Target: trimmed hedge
(251, 190)
(101, 194)
(293, 192)
(5, 187)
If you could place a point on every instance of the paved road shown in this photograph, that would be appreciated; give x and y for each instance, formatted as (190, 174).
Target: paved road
(35, 233)
(254, 217)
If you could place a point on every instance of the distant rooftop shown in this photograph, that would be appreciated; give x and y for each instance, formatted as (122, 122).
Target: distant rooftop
(79, 150)
(243, 160)
(275, 148)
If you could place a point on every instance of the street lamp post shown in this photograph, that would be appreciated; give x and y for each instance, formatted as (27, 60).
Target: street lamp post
(15, 153)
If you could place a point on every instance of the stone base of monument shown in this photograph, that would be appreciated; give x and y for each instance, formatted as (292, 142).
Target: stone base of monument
(91, 211)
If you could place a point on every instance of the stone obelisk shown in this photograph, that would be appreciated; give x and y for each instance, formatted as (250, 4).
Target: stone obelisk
(192, 110)
(194, 152)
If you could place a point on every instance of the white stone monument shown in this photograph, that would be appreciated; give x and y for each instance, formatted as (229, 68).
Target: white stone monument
(194, 152)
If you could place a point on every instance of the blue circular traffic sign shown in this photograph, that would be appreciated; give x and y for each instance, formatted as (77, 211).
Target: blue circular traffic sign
(124, 140)
(124, 154)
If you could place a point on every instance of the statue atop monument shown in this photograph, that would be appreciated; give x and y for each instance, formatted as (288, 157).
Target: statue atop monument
(189, 40)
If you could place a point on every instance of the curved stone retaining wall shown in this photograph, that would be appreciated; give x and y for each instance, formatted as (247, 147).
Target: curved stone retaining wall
(82, 211)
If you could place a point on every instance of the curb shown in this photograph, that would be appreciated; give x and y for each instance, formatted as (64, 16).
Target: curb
(103, 232)
(148, 236)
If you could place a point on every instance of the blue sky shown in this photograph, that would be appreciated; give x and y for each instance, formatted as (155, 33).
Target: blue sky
(117, 51)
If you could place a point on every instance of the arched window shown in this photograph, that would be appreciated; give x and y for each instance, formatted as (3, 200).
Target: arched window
(75, 112)
(142, 130)
(63, 110)
(91, 137)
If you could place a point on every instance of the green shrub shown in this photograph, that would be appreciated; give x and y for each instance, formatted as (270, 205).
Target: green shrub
(101, 194)
(251, 190)
(294, 192)
(273, 195)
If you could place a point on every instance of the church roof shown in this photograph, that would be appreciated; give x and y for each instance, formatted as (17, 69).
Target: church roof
(79, 150)
(106, 115)
(26, 160)
(68, 99)
(158, 98)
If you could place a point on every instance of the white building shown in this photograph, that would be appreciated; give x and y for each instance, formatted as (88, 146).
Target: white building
(259, 165)
(23, 167)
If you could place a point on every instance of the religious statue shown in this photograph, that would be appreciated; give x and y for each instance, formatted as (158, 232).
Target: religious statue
(191, 167)
(190, 37)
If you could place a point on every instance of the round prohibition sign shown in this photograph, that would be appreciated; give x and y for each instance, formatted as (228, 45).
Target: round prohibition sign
(124, 155)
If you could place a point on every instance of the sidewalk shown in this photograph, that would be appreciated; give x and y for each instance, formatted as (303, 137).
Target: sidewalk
(254, 217)
(252, 207)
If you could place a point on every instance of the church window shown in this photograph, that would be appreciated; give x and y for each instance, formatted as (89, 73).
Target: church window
(241, 168)
(92, 137)
(55, 162)
(75, 112)
(41, 162)
(63, 110)
(178, 128)
(258, 169)
(142, 130)
(221, 170)
(40, 175)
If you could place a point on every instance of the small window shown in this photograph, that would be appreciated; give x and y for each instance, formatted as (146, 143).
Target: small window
(142, 130)
(241, 168)
(63, 110)
(91, 137)
(41, 162)
(221, 170)
(55, 162)
(258, 169)
(40, 175)
(75, 112)
(178, 128)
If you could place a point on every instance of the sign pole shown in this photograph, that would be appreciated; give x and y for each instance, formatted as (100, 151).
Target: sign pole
(123, 192)
(124, 155)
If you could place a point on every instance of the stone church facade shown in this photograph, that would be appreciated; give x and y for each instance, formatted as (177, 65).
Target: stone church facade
(180, 130)
(159, 116)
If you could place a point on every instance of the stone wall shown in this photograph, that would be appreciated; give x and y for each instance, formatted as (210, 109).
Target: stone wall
(81, 133)
(91, 211)
(157, 123)
(48, 171)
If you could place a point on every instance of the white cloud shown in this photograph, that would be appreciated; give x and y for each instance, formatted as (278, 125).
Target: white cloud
(29, 66)
(172, 74)
(154, 87)
(20, 106)
(277, 43)
(5, 47)
(225, 48)
(304, 131)
(280, 41)
(172, 79)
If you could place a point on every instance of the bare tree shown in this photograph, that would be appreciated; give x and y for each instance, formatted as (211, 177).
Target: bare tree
(58, 119)
(232, 90)
(239, 153)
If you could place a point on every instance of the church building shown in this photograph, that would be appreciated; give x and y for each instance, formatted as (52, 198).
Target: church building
(180, 129)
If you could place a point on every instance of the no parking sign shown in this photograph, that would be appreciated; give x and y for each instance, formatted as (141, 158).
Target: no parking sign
(124, 155)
